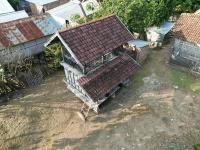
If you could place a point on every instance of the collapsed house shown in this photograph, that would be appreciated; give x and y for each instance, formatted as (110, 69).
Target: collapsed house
(186, 46)
(25, 37)
(94, 66)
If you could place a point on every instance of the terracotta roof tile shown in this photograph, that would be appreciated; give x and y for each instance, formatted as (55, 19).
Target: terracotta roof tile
(96, 38)
(98, 83)
(187, 28)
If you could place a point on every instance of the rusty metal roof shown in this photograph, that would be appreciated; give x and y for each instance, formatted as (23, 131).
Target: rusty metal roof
(27, 29)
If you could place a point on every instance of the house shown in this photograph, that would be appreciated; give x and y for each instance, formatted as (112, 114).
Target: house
(5, 7)
(25, 37)
(186, 45)
(64, 13)
(94, 67)
(5, 17)
(41, 6)
(138, 49)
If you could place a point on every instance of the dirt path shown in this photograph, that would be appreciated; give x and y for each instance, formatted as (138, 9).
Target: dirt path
(150, 114)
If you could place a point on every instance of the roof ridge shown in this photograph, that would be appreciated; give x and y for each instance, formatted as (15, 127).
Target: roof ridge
(92, 21)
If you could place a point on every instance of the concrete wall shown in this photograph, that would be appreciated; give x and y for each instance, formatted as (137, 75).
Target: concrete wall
(186, 51)
(22, 51)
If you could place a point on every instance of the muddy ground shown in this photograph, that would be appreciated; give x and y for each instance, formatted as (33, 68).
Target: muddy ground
(151, 114)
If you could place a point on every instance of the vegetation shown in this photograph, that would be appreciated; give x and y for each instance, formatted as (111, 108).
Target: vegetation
(8, 83)
(14, 3)
(78, 19)
(90, 7)
(54, 56)
(140, 14)
(184, 80)
(197, 147)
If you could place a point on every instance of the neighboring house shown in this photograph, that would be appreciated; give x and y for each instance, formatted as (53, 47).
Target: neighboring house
(93, 65)
(5, 7)
(186, 46)
(25, 37)
(5, 17)
(64, 13)
(41, 6)
(138, 49)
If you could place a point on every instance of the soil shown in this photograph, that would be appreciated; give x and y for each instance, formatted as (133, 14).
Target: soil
(156, 115)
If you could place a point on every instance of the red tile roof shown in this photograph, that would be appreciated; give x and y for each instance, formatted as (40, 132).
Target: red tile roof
(91, 40)
(187, 28)
(98, 83)
(26, 29)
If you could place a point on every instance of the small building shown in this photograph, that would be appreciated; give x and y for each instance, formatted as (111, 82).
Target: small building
(25, 37)
(94, 67)
(138, 49)
(64, 13)
(156, 35)
(5, 17)
(186, 45)
(41, 6)
(5, 7)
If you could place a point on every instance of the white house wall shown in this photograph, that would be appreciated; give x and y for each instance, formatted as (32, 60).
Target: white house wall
(22, 51)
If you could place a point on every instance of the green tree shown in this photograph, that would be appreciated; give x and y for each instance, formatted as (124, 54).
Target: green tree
(14, 3)
(138, 14)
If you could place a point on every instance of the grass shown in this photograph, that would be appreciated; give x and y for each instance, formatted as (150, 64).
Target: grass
(197, 147)
(185, 80)
(144, 71)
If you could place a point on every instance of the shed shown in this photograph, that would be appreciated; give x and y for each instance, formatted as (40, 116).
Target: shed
(25, 37)
(5, 7)
(93, 67)
(186, 45)
(5, 17)
(157, 34)
(139, 50)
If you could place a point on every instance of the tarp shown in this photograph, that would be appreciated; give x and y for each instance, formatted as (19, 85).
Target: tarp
(138, 43)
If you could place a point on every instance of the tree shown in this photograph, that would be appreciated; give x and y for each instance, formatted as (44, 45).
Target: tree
(14, 3)
(187, 6)
(138, 14)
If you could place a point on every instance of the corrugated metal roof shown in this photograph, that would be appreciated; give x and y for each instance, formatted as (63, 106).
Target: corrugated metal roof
(27, 29)
(41, 2)
(163, 29)
(67, 10)
(138, 43)
(5, 7)
(12, 16)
